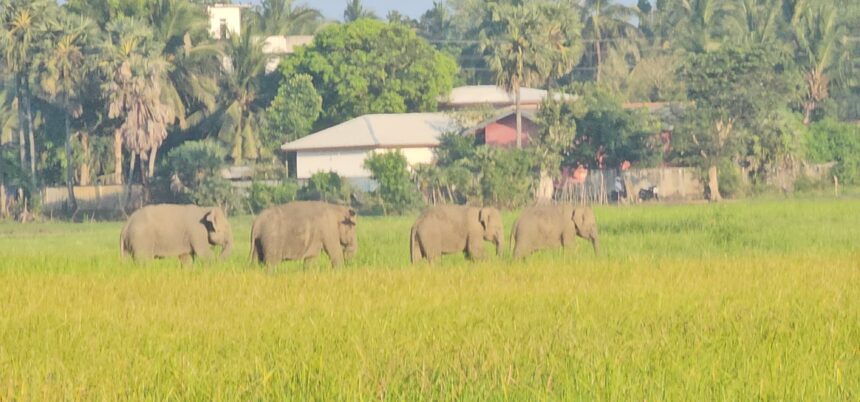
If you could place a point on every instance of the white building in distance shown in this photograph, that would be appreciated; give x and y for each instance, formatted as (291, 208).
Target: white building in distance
(225, 19)
(343, 148)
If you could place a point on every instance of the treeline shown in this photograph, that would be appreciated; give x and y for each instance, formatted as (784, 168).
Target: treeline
(100, 91)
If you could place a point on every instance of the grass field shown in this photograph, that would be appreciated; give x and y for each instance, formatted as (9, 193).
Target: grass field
(740, 301)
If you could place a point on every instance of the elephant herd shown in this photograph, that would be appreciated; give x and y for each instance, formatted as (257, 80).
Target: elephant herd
(301, 230)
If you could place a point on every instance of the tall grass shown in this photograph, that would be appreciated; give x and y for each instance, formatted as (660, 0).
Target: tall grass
(754, 300)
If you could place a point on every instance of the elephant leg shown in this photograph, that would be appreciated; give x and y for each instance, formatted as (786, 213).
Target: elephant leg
(309, 262)
(202, 250)
(475, 248)
(185, 260)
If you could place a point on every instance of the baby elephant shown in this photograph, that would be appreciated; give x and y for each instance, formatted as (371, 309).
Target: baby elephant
(547, 226)
(449, 229)
(169, 230)
(299, 230)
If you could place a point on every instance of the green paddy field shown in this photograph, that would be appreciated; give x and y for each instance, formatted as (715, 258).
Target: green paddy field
(753, 300)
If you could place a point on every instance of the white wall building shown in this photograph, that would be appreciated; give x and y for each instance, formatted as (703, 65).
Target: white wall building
(277, 46)
(343, 148)
(225, 19)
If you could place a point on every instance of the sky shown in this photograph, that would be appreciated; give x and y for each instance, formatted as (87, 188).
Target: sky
(333, 9)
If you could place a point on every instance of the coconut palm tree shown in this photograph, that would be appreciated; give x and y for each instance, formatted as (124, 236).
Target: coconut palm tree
(135, 71)
(818, 35)
(242, 86)
(606, 21)
(190, 85)
(281, 17)
(355, 11)
(22, 27)
(698, 25)
(62, 68)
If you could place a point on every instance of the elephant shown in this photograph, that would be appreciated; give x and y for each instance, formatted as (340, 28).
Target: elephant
(547, 226)
(447, 229)
(300, 230)
(171, 230)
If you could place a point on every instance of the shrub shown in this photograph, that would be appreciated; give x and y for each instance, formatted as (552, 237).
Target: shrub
(262, 195)
(832, 141)
(396, 190)
(197, 165)
(326, 186)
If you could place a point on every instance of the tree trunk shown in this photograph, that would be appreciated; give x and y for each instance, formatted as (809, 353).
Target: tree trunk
(22, 123)
(519, 116)
(517, 82)
(808, 107)
(85, 165)
(70, 169)
(117, 157)
(152, 153)
(597, 49)
(32, 136)
(714, 184)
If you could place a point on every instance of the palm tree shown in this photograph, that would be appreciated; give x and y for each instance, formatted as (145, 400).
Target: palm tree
(135, 72)
(190, 85)
(280, 17)
(818, 34)
(62, 70)
(606, 21)
(698, 25)
(242, 85)
(22, 26)
(355, 11)
(510, 41)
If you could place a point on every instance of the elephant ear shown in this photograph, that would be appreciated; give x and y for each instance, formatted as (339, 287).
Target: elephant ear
(485, 215)
(212, 219)
(350, 218)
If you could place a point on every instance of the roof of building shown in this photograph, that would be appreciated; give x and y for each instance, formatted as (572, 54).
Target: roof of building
(504, 113)
(403, 130)
(491, 94)
(278, 44)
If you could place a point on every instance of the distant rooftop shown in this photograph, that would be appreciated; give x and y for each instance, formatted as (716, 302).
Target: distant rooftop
(493, 95)
(402, 130)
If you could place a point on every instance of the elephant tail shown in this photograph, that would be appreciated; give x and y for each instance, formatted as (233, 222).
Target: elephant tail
(255, 251)
(414, 247)
(123, 242)
(514, 235)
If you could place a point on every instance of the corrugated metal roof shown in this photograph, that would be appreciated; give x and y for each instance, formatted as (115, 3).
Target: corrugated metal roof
(491, 94)
(379, 131)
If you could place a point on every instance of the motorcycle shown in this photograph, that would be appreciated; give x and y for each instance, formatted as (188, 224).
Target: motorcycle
(649, 193)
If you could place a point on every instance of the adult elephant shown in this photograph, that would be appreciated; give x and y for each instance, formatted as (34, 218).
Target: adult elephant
(170, 230)
(301, 230)
(447, 229)
(547, 226)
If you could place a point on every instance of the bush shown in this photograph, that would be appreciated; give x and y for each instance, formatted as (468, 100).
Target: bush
(730, 180)
(194, 175)
(832, 141)
(396, 190)
(507, 177)
(262, 195)
(326, 186)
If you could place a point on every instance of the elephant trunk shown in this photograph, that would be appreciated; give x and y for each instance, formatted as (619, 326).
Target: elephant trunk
(595, 242)
(499, 242)
(227, 247)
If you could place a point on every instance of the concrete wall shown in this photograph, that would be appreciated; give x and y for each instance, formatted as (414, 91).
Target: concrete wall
(90, 198)
(350, 163)
(673, 184)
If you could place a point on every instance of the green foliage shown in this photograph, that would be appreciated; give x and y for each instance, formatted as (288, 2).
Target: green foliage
(292, 113)
(507, 176)
(391, 172)
(264, 195)
(197, 165)
(372, 67)
(606, 128)
(326, 186)
(832, 141)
